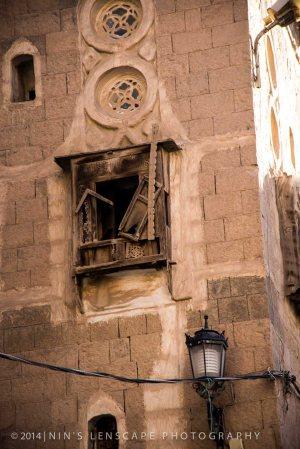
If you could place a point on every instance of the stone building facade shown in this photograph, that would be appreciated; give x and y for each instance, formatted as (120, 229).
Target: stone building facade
(125, 309)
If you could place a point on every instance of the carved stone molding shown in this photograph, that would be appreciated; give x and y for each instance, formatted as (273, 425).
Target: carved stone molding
(109, 32)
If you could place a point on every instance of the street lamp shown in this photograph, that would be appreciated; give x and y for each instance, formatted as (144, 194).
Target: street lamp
(207, 350)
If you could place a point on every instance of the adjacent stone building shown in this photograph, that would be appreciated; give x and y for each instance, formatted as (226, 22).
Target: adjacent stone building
(136, 197)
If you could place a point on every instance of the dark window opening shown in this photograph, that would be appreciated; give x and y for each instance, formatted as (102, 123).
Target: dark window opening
(103, 432)
(23, 79)
(120, 192)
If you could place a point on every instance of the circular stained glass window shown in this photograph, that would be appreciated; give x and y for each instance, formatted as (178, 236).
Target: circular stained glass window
(126, 95)
(119, 19)
(122, 92)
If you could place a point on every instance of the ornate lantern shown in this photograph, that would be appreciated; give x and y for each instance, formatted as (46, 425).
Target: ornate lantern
(207, 349)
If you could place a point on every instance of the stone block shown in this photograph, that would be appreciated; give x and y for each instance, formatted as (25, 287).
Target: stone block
(126, 369)
(253, 248)
(134, 400)
(182, 109)
(16, 280)
(212, 105)
(165, 6)
(222, 205)
(5, 119)
(244, 417)
(264, 389)
(263, 358)
(215, 15)
(232, 33)
(191, 41)
(194, 84)
(68, 18)
(182, 5)
(206, 184)
(193, 20)
(15, 7)
(145, 347)
(9, 369)
(93, 356)
(61, 41)
(201, 128)
(104, 330)
(233, 309)
(73, 82)
(243, 285)
(21, 190)
(40, 277)
(27, 316)
(168, 65)
(75, 333)
(239, 54)
(119, 349)
(47, 336)
(64, 411)
(23, 156)
(241, 178)
(60, 356)
(153, 323)
(32, 210)
(211, 59)
(250, 201)
(163, 45)
(258, 306)
(221, 160)
(18, 235)
(48, 389)
(19, 339)
(252, 333)
(33, 415)
(170, 23)
(13, 136)
(58, 108)
(132, 325)
(229, 78)
(41, 232)
(33, 257)
(243, 99)
(225, 251)
(54, 85)
(8, 260)
(8, 217)
(46, 133)
(42, 5)
(7, 415)
(35, 24)
(214, 231)
(218, 288)
(240, 361)
(242, 226)
(248, 155)
(82, 386)
(25, 115)
(63, 62)
(240, 10)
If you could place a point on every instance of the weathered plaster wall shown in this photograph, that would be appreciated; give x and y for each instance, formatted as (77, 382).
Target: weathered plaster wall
(205, 103)
(283, 96)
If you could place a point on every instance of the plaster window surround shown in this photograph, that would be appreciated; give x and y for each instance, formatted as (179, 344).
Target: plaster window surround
(271, 63)
(292, 148)
(19, 83)
(113, 26)
(274, 134)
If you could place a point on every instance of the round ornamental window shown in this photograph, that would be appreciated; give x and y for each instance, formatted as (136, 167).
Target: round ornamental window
(115, 25)
(122, 92)
(125, 96)
(119, 20)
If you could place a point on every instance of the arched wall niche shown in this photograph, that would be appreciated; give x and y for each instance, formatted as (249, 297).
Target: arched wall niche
(19, 48)
(101, 404)
(274, 134)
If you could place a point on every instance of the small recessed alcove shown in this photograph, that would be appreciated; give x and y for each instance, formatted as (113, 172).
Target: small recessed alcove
(103, 432)
(23, 79)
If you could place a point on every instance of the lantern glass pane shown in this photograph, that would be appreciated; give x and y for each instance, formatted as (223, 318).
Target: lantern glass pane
(211, 364)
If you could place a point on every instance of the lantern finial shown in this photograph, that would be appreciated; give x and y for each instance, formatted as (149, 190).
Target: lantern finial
(206, 322)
